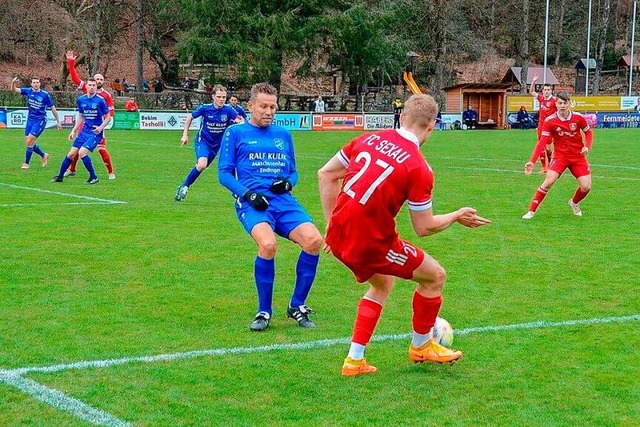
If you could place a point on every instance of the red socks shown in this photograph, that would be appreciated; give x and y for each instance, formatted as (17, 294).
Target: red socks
(106, 158)
(367, 318)
(537, 199)
(578, 196)
(425, 311)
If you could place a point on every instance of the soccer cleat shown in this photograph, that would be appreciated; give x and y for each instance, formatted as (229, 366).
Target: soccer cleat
(352, 367)
(301, 315)
(181, 193)
(69, 172)
(433, 352)
(92, 181)
(24, 166)
(261, 322)
(575, 207)
(57, 179)
(45, 160)
(528, 215)
(112, 176)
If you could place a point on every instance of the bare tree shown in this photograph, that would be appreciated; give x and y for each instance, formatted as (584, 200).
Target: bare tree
(523, 58)
(605, 13)
(559, 31)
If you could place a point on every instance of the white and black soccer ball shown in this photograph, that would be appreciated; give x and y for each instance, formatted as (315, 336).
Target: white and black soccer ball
(443, 332)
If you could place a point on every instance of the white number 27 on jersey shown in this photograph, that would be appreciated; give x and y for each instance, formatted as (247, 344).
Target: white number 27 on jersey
(385, 171)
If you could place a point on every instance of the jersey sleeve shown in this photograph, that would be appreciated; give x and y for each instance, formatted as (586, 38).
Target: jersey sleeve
(241, 112)
(109, 100)
(102, 107)
(227, 163)
(419, 197)
(198, 111)
(48, 101)
(346, 152)
(24, 91)
(232, 113)
(293, 171)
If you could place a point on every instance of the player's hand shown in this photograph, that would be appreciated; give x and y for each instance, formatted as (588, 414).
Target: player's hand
(72, 136)
(528, 168)
(71, 56)
(257, 200)
(184, 140)
(97, 130)
(58, 126)
(469, 218)
(281, 185)
(535, 78)
(584, 151)
(15, 79)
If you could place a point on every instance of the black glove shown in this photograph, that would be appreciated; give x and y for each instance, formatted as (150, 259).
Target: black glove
(281, 185)
(257, 200)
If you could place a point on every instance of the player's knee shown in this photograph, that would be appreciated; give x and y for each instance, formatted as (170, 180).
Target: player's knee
(313, 243)
(201, 165)
(267, 249)
(585, 188)
(440, 277)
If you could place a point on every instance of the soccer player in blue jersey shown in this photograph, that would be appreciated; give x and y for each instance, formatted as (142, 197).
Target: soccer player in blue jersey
(233, 100)
(38, 101)
(93, 117)
(216, 117)
(258, 166)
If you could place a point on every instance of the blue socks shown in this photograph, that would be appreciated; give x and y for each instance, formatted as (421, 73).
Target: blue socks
(265, 273)
(64, 166)
(27, 154)
(191, 178)
(38, 150)
(305, 274)
(87, 164)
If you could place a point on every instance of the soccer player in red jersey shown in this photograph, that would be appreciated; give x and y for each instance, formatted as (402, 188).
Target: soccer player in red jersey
(379, 173)
(102, 146)
(547, 103)
(564, 129)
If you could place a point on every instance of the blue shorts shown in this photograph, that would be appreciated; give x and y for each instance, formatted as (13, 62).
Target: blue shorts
(35, 127)
(88, 140)
(283, 215)
(202, 149)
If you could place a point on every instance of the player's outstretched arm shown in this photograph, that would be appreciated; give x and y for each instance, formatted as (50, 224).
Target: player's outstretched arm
(57, 117)
(14, 85)
(71, 62)
(425, 223)
(532, 89)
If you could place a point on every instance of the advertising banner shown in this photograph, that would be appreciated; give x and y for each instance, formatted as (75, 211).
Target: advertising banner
(596, 103)
(152, 120)
(630, 103)
(126, 120)
(338, 121)
(514, 103)
(619, 120)
(17, 119)
(292, 121)
(378, 121)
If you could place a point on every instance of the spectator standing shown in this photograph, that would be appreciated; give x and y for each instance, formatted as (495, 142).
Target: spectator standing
(131, 106)
(318, 105)
(398, 106)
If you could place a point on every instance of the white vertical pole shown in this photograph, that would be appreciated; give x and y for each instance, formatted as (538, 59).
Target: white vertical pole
(546, 42)
(586, 80)
(633, 37)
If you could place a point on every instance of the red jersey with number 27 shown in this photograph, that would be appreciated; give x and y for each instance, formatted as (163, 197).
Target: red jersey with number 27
(384, 170)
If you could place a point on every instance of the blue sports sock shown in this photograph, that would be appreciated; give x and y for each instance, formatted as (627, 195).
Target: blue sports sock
(64, 166)
(87, 164)
(305, 274)
(38, 150)
(27, 154)
(265, 273)
(191, 178)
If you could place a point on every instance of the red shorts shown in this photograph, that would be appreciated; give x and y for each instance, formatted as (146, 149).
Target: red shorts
(578, 166)
(399, 260)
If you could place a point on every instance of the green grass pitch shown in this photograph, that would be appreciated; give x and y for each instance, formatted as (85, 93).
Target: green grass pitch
(84, 277)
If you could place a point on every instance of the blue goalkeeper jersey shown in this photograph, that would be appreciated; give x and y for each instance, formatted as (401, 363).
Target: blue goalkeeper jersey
(37, 102)
(214, 122)
(93, 109)
(251, 158)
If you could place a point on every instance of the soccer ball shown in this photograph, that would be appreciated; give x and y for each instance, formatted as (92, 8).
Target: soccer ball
(443, 332)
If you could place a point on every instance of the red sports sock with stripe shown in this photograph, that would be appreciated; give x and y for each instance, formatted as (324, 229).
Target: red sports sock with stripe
(367, 318)
(74, 162)
(579, 195)
(106, 158)
(537, 199)
(425, 311)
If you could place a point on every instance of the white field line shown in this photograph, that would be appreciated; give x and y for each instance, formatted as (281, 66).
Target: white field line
(18, 205)
(62, 402)
(298, 346)
(58, 193)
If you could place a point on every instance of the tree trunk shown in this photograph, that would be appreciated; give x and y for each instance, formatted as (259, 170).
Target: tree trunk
(524, 46)
(605, 13)
(559, 30)
(140, 46)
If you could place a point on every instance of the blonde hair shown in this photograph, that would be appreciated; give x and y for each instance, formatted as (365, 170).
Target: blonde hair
(218, 88)
(420, 110)
(262, 88)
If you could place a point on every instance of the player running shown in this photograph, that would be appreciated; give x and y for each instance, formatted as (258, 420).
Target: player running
(38, 101)
(564, 129)
(547, 103)
(102, 146)
(233, 101)
(379, 172)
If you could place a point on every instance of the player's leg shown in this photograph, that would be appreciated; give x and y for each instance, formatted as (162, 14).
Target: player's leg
(83, 154)
(106, 158)
(264, 273)
(555, 170)
(544, 165)
(308, 237)
(36, 131)
(427, 300)
(203, 153)
(72, 154)
(582, 173)
(367, 317)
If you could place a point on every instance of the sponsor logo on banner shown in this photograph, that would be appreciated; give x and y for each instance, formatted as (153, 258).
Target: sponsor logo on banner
(630, 103)
(18, 119)
(166, 121)
(619, 120)
(338, 121)
(378, 121)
